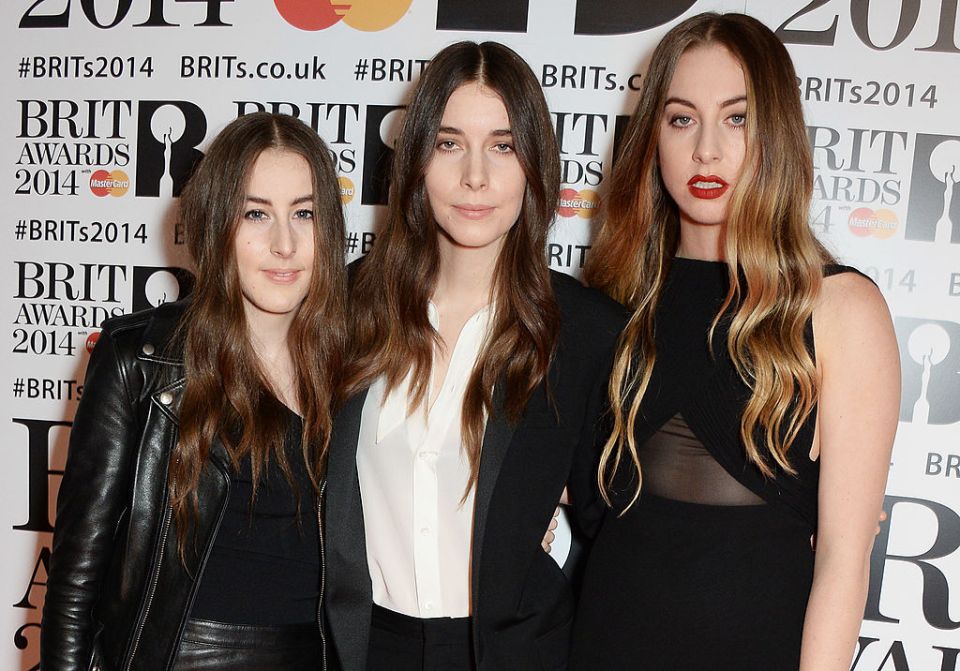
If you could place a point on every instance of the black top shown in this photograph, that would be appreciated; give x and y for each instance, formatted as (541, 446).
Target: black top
(712, 567)
(708, 394)
(264, 567)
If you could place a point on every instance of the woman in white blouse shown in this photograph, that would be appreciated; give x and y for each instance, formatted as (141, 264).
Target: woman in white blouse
(476, 383)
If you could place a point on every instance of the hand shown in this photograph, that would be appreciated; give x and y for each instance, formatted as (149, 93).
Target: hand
(549, 537)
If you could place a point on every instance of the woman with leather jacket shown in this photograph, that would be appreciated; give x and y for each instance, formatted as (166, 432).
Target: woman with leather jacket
(188, 519)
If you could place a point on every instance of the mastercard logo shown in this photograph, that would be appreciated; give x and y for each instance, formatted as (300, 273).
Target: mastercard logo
(92, 340)
(365, 15)
(115, 183)
(347, 190)
(578, 203)
(865, 222)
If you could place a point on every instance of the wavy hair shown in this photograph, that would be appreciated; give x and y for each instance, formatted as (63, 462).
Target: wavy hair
(774, 262)
(227, 397)
(391, 335)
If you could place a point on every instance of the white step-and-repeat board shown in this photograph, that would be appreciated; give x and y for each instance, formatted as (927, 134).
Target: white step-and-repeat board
(107, 104)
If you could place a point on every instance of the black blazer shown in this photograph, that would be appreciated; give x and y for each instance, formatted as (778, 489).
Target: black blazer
(522, 602)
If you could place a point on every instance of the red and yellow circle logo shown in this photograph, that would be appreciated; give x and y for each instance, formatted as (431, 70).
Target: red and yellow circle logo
(864, 222)
(115, 183)
(92, 341)
(347, 190)
(365, 15)
(578, 203)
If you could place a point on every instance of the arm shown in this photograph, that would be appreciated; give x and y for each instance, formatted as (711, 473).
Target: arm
(858, 362)
(582, 493)
(93, 494)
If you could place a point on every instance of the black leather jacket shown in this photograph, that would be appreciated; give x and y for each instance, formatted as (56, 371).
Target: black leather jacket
(118, 595)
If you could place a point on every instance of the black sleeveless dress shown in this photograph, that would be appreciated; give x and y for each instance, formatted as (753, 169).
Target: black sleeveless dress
(712, 567)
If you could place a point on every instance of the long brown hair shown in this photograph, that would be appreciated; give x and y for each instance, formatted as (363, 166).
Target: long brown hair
(390, 331)
(227, 397)
(774, 262)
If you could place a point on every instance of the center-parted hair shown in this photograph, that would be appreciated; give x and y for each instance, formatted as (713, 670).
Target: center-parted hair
(391, 335)
(227, 397)
(774, 262)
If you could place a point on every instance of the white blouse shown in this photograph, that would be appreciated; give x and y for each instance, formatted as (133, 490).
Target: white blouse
(413, 473)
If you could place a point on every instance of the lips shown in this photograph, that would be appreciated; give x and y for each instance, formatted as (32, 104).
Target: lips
(473, 211)
(707, 188)
(282, 275)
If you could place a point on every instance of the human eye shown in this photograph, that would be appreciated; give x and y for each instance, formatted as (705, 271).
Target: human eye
(739, 120)
(680, 120)
(255, 214)
(303, 213)
(503, 147)
(446, 145)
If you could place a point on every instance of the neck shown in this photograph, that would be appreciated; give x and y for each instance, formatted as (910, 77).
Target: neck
(269, 332)
(466, 275)
(700, 241)
(268, 338)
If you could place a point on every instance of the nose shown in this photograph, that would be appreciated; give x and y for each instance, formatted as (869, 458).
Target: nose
(475, 174)
(707, 149)
(283, 241)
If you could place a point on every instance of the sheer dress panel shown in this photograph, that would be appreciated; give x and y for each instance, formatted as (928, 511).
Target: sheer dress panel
(676, 465)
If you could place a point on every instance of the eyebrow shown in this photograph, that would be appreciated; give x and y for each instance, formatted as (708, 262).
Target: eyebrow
(451, 130)
(687, 103)
(266, 201)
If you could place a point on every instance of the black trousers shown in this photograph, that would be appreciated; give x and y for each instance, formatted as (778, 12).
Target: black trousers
(208, 645)
(403, 643)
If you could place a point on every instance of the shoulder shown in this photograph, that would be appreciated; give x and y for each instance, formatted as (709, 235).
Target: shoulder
(847, 294)
(850, 311)
(353, 268)
(130, 333)
(587, 306)
(588, 316)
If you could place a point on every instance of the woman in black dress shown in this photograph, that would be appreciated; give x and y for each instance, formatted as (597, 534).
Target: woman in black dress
(755, 393)
(187, 532)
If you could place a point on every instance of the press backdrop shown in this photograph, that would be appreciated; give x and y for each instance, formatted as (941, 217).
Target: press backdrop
(106, 104)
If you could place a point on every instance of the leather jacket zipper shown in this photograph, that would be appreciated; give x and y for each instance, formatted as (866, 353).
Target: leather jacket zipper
(323, 576)
(168, 513)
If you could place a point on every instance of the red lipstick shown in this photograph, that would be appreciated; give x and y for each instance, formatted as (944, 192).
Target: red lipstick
(708, 187)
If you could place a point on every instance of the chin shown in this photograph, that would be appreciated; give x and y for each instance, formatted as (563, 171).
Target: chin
(473, 240)
(711, 216)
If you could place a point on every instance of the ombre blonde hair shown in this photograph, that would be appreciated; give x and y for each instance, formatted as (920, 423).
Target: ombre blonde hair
(774, 262)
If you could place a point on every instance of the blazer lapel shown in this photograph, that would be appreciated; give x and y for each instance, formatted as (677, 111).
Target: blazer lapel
(496, 441)
(349, 595)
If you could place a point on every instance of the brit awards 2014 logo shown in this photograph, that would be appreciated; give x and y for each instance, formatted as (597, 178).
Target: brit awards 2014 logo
(168, 134)
(592, 17)
(930, 363)
(381, 130)
(933, 212)
(153, 286)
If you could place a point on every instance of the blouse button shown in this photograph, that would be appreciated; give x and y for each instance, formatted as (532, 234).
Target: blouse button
(166, 398)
